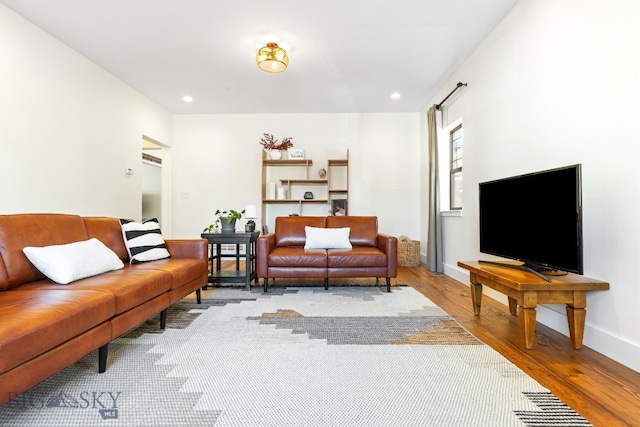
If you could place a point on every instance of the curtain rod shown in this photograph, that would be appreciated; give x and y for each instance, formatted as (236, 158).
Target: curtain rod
(458, 86)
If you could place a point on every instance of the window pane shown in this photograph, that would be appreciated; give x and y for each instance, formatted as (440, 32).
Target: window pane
(456, 190)
(456, 149)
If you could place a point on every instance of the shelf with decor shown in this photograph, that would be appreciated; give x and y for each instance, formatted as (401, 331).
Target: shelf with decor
(290, 183)
(286, 162)
(293, 177)
(299, 167)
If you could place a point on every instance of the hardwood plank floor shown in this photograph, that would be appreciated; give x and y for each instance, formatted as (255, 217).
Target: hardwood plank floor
(601, 390)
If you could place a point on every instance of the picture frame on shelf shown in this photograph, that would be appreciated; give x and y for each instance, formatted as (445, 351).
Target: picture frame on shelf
(296, 153)
(339, 207)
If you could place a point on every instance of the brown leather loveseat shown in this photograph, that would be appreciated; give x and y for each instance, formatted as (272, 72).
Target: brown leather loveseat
(282, 254)
(46, 326)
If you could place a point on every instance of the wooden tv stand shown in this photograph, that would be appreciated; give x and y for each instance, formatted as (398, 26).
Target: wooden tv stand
(525, 291)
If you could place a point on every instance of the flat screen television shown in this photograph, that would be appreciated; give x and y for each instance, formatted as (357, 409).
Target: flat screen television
(535, 218)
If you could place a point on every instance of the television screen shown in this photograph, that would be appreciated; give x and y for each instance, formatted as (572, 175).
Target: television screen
(535, 218)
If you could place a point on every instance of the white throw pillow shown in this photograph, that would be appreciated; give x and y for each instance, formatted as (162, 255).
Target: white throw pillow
(327, 238)
(144, 241)
(66, 263)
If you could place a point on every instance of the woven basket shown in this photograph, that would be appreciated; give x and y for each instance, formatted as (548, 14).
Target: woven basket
(408, 252)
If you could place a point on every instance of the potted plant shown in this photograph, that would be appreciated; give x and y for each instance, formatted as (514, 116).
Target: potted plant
(225, 221)
(270, 144)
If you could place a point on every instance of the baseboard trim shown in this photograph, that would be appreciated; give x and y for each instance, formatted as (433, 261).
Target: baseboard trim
(604, 343)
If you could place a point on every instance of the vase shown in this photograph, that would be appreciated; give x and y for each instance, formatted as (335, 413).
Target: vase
(226, 226)
(275, 154)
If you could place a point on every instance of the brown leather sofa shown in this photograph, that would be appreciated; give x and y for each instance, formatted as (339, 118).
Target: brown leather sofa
(282, 254)
(45, 326)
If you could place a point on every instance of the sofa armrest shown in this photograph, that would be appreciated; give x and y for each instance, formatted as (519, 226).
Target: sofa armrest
(188, 248)
(265, 245)
(389, 245)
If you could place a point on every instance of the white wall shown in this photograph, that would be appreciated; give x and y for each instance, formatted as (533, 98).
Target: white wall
(556, 83)
(68, 129)
(218, 163)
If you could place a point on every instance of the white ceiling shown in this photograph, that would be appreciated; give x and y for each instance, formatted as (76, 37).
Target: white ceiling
(345, 55)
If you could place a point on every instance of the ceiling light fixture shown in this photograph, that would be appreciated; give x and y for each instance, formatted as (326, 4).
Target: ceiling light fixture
(395, 95)
(272, 59)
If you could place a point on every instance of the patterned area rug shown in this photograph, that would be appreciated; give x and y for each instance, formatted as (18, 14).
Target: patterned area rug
(349, 356)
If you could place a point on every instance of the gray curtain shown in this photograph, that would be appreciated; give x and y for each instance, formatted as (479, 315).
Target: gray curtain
(434, 232)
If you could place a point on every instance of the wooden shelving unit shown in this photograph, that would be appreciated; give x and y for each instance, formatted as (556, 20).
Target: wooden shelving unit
(298, 180)
(338, 176)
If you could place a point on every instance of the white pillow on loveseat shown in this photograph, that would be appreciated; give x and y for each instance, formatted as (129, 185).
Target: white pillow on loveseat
(67, 263)
(327, 238)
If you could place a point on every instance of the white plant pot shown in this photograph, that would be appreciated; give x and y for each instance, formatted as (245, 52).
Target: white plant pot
(275, 154)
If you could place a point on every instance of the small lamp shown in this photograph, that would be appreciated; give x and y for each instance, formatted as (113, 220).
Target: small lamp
(251, 213)
(272, 59)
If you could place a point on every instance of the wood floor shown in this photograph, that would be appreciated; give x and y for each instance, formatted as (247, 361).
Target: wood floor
(603, 391)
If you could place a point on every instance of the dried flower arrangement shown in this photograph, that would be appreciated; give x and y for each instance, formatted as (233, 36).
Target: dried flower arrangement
(270, 143)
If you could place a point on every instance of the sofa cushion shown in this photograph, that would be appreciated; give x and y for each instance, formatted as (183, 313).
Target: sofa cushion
(67, 263)
(109, 231)
(297, 257)
(327, 238)
(290, 229)
(20, 230)
(47, 319)
(129, 286)
(364, 229)
(144, 241)
(359, 256)
(182, 270)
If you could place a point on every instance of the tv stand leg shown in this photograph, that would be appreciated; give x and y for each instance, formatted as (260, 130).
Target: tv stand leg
(528, 326)
(576, 315)
(476, 296)
(527, 315)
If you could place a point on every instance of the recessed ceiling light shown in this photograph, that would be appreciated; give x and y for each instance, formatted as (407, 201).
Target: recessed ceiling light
(187, 98)
(395, 95)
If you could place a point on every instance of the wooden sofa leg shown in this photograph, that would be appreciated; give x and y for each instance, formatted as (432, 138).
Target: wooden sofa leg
(388, 284)
(199, 296)
(265, 284)
(326, 283)
(102, 358)
(163, 318)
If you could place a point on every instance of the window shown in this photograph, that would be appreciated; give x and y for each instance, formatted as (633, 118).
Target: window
(455, 167)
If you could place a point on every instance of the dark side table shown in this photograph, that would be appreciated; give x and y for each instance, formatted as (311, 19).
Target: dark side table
(245, 276)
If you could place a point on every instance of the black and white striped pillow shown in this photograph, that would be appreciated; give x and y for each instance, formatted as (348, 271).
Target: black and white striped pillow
(144, 241)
